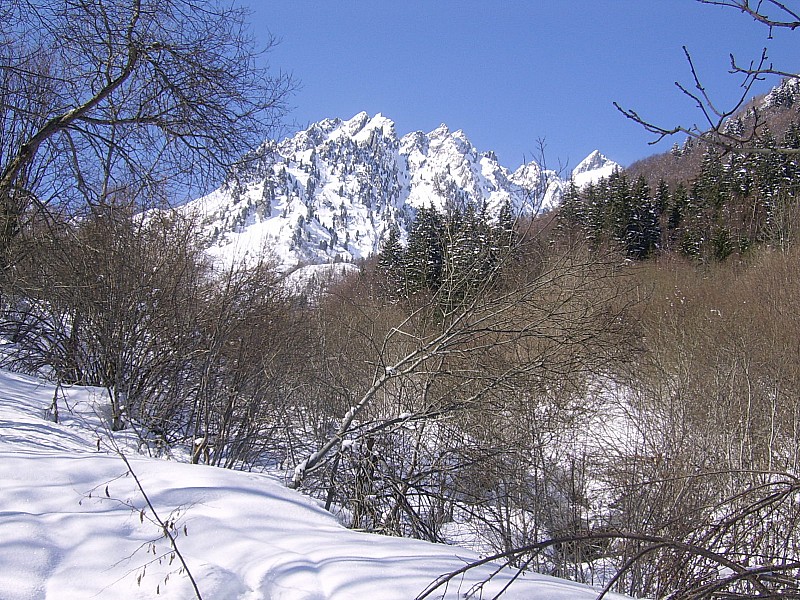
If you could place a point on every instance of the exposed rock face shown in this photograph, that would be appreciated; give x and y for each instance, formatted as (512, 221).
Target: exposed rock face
(332, 192)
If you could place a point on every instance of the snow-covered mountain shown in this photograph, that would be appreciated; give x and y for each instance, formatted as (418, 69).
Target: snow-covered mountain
(330, 193)
(592, 168)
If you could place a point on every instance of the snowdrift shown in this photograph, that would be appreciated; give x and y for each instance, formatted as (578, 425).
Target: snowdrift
(75, 524)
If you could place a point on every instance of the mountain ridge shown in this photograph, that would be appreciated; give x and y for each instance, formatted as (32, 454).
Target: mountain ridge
(330, 193)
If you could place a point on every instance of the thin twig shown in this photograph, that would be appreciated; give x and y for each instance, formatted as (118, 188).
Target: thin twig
(164, 528)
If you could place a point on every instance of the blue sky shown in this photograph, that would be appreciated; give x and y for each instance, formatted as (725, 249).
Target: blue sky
(511, 72)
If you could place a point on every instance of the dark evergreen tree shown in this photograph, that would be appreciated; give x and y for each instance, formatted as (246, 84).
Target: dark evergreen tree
(766, 169)
(595, 199)
(710, 189)
(739, 181)
(504, 238)
(391, 261)
(694, 225)
(721, 243)
(466, 256)
(790, 163)
(424, 256)
(663, 204)
(678, 206)
(619, 211)
(643, 233)
(573, 216)
(662, 197)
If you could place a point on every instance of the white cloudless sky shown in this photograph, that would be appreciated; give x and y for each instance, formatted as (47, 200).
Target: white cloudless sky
(512, 72)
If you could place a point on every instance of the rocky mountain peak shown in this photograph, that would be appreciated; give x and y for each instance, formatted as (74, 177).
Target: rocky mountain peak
(592, 168)
(330, 193)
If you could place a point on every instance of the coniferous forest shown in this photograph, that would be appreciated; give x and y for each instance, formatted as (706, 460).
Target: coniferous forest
(735, 201)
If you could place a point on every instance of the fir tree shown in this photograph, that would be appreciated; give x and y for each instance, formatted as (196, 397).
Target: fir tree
(643, 232)
(504, 238)
(662, 197)
(619, 212)
(595, 198)
(572, 214)
(790, 162)
(677, 210)
(390, 263)
(766, 168)
(721, 243)
(711, 190)
(692, 232)
(465, 253)
(424, 256)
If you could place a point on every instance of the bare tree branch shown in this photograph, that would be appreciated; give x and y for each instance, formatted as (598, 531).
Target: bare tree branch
(145, 95)
(713, 129)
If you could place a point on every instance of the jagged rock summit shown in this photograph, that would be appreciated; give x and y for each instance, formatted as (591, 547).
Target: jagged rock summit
(330, 193)
(592, 168)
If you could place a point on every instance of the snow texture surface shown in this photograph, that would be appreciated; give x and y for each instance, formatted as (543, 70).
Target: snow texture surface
(74, 525)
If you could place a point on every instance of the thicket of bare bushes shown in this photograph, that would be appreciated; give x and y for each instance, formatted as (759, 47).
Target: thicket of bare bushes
(715, 402)
(578, 414)
(450, 414)
(653, 450)
(691, 490)
(186, 350)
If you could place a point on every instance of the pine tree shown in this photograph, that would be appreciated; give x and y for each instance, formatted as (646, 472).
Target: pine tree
(502, 237)
(461, 250)
(790, 163)
(643, 232)
(738, 179)
(766, 168)
(721, 243)
(711, 189)
(663, 204)
(675, 214)
(391, 259)
(595, 199)
(424, 256)
(619, 208)
(692, 234)
(573, 216)
(662, 197)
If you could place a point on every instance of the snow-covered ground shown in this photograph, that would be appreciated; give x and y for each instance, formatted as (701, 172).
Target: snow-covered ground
(74, 524)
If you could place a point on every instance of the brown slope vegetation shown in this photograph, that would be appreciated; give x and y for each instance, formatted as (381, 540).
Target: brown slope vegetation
(773, 112)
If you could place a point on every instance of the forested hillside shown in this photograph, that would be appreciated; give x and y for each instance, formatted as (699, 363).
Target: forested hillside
(701, 200)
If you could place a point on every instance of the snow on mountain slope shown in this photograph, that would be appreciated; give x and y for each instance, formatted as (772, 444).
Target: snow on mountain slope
(74, 525)
(331, 193)
(592, 168)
